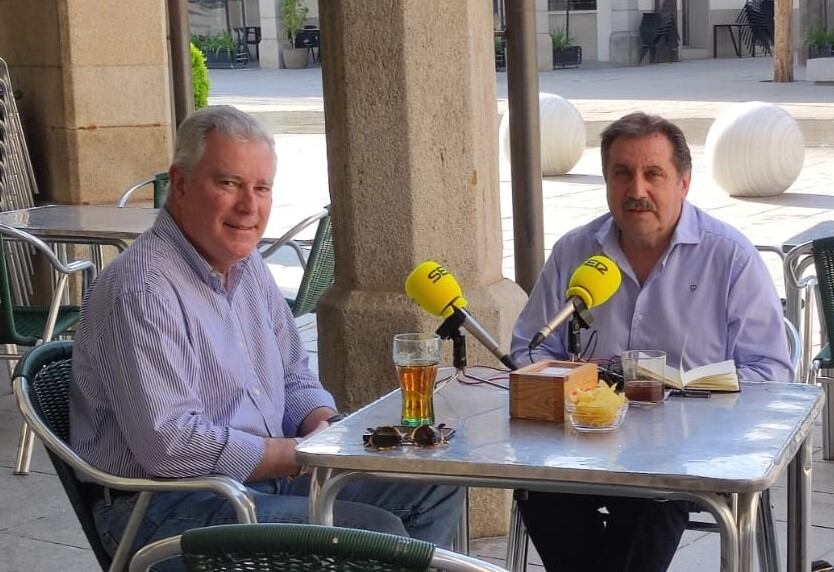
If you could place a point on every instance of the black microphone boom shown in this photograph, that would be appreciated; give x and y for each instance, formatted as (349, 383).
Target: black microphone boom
(461, 317)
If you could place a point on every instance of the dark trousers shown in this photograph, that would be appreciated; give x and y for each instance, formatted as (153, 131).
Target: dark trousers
(572, 534)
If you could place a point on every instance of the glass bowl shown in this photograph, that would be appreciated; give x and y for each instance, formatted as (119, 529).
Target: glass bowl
(588, 417)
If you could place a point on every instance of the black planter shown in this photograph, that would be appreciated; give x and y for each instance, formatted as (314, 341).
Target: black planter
(223, 60)
(570, 56)
(819, 51)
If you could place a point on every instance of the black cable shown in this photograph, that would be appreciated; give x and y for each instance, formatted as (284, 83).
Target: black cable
(592, 339)
(463, 376)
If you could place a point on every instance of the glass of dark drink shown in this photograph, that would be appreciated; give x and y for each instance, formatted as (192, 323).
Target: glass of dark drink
(643, 375)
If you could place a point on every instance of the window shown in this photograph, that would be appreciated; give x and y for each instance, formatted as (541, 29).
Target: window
(561, 5)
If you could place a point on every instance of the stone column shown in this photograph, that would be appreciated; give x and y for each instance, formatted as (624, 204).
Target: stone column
(270, 48)
(544, 45)
(409, 100)
(96, 100)
(621, 23)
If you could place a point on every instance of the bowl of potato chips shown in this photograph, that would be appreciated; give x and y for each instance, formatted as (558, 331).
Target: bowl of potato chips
(596, 409)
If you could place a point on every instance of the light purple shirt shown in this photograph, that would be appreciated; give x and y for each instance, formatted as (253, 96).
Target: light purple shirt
(176, 374)
(710, 289)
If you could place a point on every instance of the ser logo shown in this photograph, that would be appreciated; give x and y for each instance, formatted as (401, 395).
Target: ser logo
(437, 273)
(598, 265)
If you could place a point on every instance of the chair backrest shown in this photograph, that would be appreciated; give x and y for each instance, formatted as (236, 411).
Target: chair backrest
(299, 547)
(648, 27)
(794, 349)
(320, 270)
(8, 329)
(48, 371)
(160, 187)
(823, 250)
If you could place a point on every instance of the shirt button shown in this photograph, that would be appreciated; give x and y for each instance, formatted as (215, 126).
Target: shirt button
(256, 391)
(639, 316)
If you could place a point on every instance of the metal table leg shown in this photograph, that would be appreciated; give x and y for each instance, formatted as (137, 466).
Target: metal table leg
(746, 522)
(799, 508)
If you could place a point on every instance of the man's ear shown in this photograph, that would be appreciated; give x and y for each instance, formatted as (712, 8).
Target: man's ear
(176, 179)
(686, 178)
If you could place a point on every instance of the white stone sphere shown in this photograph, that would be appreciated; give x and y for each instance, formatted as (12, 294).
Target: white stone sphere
(562, 133)
(754, 149)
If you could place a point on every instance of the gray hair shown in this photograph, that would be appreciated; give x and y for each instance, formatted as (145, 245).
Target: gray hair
(638, 125)
(225, 119)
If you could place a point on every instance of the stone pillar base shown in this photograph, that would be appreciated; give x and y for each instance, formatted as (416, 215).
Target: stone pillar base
(624, 48)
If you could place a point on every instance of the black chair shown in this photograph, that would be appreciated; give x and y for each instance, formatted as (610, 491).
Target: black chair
(42, 381)
(757, 15)
(657, 29)
(309, 38)
(302, 547)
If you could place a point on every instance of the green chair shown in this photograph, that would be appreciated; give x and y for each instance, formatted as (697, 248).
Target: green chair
(822, 364)
(160, 188)
(297, 547)
(42, 381)
(23, 326)
(318, 265)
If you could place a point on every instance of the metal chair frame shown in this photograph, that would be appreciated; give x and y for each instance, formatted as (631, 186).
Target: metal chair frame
(318, 266)
(160, 184)
(312, 536)
(23, 456)
(63, 457)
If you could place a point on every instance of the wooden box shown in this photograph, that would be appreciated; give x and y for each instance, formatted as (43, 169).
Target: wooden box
(538, 390)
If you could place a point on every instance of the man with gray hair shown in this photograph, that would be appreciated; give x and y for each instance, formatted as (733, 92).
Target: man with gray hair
(685, 275)
(187, 361)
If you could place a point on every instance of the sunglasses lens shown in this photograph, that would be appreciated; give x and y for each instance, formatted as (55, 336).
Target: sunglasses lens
(385, 437)
(426, 436)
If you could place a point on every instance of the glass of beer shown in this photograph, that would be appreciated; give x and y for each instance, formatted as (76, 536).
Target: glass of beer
(417, 357)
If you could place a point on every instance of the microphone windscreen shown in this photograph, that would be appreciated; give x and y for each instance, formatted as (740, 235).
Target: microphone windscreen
(595, 280)
(435, 290)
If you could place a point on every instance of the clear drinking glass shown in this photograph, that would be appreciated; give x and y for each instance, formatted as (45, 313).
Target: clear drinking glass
(417, 357)
(643, 374)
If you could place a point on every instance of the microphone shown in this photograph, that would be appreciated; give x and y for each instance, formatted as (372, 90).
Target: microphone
(593, 283)
(435, 290)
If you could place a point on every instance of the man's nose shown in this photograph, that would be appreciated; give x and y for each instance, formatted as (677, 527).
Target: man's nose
(637, 188)
(246, 200)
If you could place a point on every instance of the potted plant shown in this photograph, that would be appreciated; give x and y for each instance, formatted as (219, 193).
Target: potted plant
(220, 50)
(820, 44)
(293, 13)
(564, 52)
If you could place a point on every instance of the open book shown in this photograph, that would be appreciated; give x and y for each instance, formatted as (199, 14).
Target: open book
(719, 376)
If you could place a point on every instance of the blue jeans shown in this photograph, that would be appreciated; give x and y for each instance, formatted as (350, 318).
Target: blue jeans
(420, 511)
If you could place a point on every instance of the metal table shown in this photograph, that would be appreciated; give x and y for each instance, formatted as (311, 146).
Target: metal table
(690, 449)
(101, 225)
(820, 230)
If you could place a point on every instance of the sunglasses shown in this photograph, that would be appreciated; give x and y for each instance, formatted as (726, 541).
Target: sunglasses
(390, 436)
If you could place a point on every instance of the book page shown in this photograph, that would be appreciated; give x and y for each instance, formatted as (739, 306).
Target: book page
(719, 369)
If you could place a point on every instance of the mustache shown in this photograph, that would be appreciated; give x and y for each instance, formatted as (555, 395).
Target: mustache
(641, 204)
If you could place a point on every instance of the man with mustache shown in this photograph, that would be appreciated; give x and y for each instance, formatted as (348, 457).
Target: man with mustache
(187, 361)
(693, 286)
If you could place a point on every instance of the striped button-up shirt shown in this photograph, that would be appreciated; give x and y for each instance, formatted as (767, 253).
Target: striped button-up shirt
(709, 299)
(177, 374)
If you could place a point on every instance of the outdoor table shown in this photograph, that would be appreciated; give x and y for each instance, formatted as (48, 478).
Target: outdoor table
(820, 230)
(688, 449)
(98, 225)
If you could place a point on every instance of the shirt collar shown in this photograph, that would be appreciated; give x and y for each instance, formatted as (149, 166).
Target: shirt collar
(167, 228)
(687, 231)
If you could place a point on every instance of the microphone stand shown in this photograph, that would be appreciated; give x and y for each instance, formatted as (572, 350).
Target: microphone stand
(450, 330)
(581, 319)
